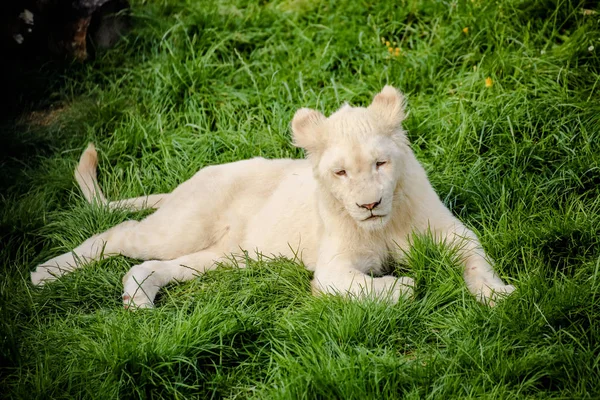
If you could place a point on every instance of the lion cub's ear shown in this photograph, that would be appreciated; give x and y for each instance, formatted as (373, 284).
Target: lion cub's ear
(305, 129)
(389, 105)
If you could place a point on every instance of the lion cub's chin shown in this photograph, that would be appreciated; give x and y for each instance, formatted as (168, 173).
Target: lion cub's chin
(374, 224)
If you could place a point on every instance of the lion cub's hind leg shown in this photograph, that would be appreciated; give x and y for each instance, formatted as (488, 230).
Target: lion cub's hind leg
(143, 281)
(130, 238)
(123, 239)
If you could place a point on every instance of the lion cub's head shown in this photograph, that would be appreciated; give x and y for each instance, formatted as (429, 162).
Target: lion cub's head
(357, 154)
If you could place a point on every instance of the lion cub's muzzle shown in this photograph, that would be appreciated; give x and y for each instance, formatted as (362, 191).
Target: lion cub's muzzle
(370, 206)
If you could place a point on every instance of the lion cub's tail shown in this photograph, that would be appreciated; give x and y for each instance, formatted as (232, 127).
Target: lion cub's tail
(85, 175)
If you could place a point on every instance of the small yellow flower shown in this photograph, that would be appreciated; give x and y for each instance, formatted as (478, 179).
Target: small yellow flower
(387, 43)
(474, 67)
(488, 82)
(391, 50)
(466, 30)
(382, 40)
(397, 52)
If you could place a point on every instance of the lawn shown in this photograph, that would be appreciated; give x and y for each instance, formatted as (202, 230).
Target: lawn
(504, 101)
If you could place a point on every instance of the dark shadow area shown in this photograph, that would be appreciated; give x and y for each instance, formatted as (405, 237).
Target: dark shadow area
(41, 41)
(44, 44)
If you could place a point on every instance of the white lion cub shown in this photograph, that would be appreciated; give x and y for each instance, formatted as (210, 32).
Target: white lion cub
(344, 210)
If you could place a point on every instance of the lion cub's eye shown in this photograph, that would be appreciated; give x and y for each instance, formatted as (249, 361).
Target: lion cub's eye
(341, 172)
(380, 163)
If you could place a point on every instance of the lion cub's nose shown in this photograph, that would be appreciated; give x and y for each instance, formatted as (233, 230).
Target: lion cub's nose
(370, 206)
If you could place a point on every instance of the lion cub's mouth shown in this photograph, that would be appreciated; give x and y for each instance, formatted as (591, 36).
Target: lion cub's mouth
(373, 216)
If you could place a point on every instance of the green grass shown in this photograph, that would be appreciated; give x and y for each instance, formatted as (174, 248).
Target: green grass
(203, 82)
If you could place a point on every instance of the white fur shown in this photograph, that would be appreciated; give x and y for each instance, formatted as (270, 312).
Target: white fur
(358, 164)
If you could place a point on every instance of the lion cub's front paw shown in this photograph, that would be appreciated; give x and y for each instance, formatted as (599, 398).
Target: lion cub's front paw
(400, 287)
(490, 294)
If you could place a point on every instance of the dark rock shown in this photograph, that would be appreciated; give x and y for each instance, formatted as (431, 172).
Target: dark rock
(39, 28)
